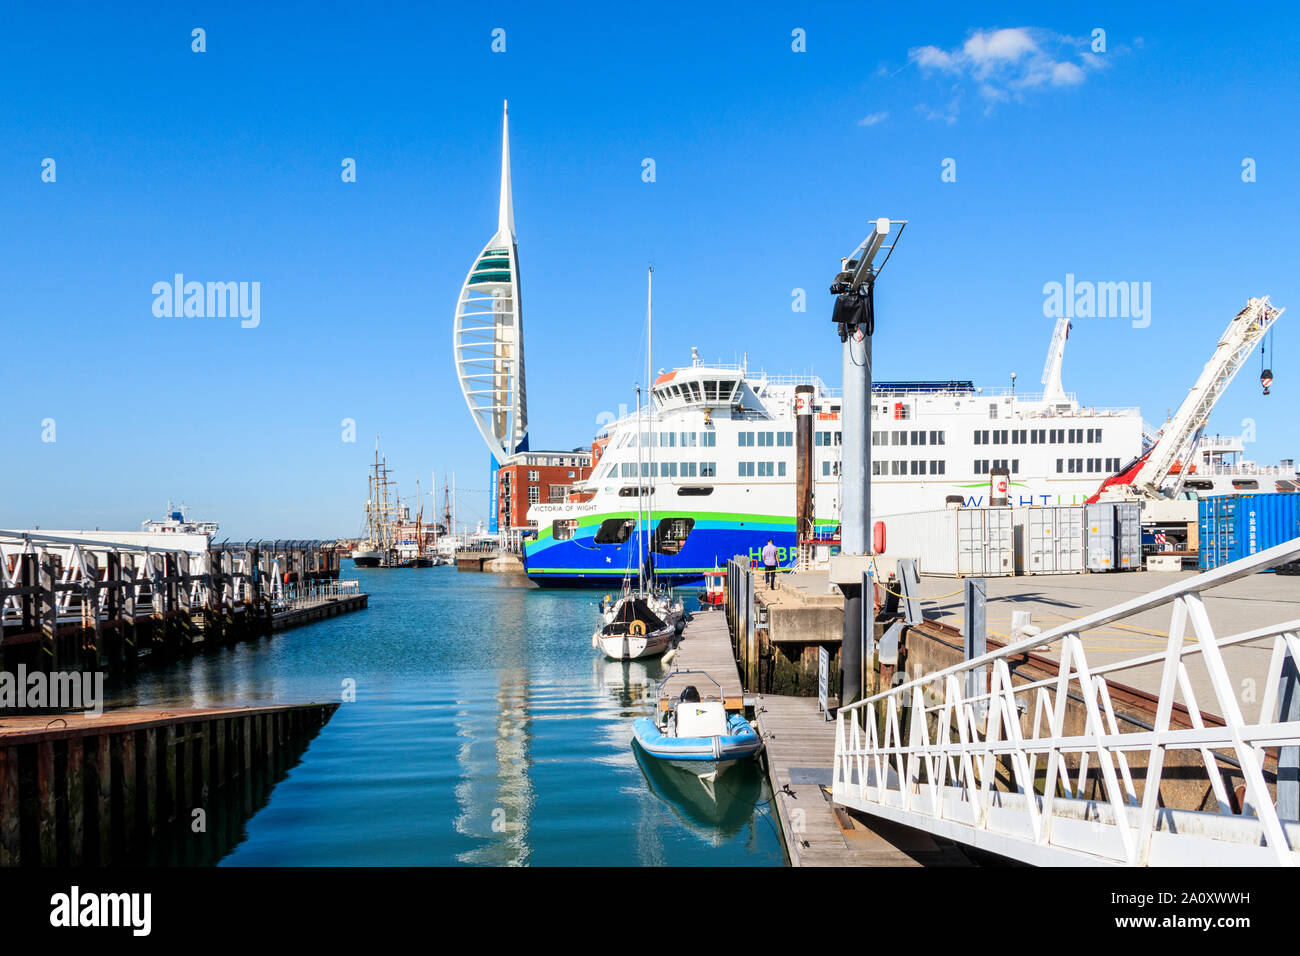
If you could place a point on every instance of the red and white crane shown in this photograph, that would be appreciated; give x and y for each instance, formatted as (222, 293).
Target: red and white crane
(1161, 471)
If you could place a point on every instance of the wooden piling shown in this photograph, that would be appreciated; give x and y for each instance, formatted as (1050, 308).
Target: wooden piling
(105, 790)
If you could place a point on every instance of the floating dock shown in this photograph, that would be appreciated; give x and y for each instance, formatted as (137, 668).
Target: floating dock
(141, 785)
(800, 751)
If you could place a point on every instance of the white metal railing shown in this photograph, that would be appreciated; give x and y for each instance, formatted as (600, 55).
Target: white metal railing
(941, 779)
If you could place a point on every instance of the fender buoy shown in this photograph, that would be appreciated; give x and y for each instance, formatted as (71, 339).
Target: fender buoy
(637, 628)
(878, 538)
(286, 577)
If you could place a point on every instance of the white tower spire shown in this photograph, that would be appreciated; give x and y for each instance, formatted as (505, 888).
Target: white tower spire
(488, 337)
(506, 214)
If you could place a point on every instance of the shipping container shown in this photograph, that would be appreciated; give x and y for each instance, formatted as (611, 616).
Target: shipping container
(1099, 537)
(957, 542)
(1128, 536)
(1053, 540)
(985, 542)
(1231, 527)
(1113, 536)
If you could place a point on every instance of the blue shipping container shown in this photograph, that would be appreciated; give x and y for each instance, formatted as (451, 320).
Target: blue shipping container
(1231, 527)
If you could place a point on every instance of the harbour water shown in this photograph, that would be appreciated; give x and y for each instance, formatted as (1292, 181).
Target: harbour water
(484, 730)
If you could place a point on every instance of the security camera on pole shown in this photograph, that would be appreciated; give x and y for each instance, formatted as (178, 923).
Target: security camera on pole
(855, 320)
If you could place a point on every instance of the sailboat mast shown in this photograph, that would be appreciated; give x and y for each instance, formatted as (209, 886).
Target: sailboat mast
(649, 373)
(640, 561)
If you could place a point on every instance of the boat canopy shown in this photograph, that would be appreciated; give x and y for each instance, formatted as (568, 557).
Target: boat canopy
(634, 609)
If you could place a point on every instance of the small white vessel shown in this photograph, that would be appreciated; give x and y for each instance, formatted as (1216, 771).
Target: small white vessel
(635, 631)
(696, 733)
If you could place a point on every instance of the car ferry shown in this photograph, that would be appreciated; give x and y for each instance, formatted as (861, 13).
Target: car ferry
(713, 461)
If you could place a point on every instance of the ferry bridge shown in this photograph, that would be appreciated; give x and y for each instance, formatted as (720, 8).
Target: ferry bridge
(1042, 771)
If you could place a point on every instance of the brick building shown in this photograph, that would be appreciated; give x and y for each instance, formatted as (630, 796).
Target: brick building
(537, 477)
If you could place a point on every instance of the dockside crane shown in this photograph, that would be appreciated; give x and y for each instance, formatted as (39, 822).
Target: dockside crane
(1160, 473)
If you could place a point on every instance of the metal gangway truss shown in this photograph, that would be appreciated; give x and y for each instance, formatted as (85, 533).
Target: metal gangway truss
(1103, 805)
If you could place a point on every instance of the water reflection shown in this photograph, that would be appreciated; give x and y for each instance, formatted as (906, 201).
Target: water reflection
(485, 730)
(715, 810)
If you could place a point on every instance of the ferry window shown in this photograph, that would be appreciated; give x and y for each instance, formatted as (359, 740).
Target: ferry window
(1098, 435)
(918, 468)
(695, 390)
(937, 467)
(688, 469)
(765, 469)
(708, 469)
(562, 529)
(614, 530)
(1244, 484)
(877, 438)
(978, 439)
(784, 439)
(1060, 464)
(936, 438)
(744, 439)
(709, 439)
(993, 410)
(669, 469)
(765, 439)
(839, 437)
(918, 438)
(668, 439)
(1015, 466)
(982, 466)
(632, 491)
(826, 468)
(671, 534)
(689, 491)
(780, 469)
(876, 467)
(688, 439)
(898, 438)
(746, 469)
(898, 467)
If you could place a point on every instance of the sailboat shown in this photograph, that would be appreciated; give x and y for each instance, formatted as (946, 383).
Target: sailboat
(641, 622)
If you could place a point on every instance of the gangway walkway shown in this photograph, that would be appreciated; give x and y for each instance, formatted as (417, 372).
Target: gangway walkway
(939, 774)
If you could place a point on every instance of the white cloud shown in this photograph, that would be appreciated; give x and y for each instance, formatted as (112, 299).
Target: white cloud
(986, 48)
(874, 118)
(1002, 64)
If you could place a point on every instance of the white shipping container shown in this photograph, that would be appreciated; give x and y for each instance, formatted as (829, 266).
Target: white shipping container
(928, 536)
(1053, 540)
(955, 542)
(986, 544)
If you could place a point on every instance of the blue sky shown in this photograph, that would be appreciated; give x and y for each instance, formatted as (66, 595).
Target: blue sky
(224, 166)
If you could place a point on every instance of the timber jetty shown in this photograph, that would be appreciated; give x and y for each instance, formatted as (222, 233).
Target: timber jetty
(72, 603)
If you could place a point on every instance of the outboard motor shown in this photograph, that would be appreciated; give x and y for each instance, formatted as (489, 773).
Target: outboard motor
(690, 695)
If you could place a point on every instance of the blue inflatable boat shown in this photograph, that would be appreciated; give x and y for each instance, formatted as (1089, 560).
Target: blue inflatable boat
(697, 734)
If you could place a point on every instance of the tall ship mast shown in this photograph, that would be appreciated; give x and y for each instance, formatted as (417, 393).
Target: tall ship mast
(377, 549)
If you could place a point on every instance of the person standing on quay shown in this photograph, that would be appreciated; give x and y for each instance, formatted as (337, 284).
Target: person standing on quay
(769, 563)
